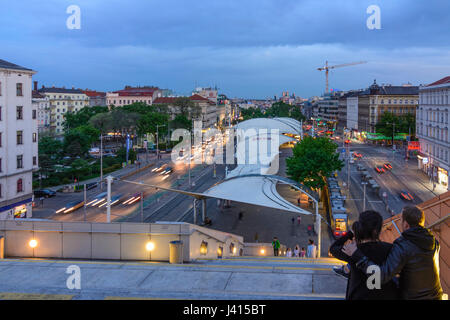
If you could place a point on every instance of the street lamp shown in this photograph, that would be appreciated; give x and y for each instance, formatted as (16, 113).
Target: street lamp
(364, 199)
(393, 132)
(157, 140)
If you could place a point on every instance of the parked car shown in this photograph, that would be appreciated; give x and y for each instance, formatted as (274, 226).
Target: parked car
(44, 193)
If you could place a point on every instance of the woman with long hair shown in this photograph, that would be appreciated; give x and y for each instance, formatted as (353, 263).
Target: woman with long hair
(366, 233)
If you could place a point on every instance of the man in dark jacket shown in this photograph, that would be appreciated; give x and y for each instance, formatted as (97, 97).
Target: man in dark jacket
(414, 255)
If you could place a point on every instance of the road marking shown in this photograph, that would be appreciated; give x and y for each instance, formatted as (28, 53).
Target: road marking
(33, 296)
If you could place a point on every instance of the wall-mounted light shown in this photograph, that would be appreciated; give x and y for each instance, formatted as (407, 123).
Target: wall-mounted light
(204, 248)
(150, 246)
(219, 252)
(33, 243)
(263, 251)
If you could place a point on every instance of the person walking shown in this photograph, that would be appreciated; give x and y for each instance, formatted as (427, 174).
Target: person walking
(414, 256)
(289, 252)
(302, 252)
(366, 233)
(296, 251)
(240, 215)
(311, 249)
(276, 246)
(293, 220)
(299, 220)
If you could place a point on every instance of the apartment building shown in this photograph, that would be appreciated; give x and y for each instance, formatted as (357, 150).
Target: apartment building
(130, 95)
(432, 127)
(95, 98)
(63, 100)
(208, 109)
(41, 103)
(18, 141)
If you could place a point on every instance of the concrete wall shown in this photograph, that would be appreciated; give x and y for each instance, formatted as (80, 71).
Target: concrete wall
(254, 249)
(111, 241)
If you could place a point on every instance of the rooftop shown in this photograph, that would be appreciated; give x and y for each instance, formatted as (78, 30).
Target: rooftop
(8, 65)
(439, 82)
(60, 90)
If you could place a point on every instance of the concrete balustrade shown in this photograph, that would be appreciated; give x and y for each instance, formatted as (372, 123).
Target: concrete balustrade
(112, 241)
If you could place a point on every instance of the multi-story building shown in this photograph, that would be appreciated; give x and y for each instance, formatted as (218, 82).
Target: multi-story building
(360, 110)
(63, 100)
(18, 141)
(41, 103)
(95, 98)
(131, 95)
(208, 93)
(327, 108)
(432, 123)
(208, 109)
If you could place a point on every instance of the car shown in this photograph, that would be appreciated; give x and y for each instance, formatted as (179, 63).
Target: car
(160, 168)
(71, 206)
(379, 169)
(347, 141)
(406, 195)
(357, 155)
(98, 199)
(167, 171)
(387, 166)
(44, 193)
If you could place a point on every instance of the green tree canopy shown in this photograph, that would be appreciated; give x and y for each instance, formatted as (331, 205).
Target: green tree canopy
(313, 160)
(76, 143)
(148, 122)
(181, 122)
(75, 119)
(50, 153)
(405, 123)
(102, 122)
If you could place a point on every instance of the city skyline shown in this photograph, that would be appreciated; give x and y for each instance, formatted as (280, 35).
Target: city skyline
(254, 50)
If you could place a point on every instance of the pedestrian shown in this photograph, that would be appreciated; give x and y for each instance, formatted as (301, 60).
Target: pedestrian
(311, 249)
(309, 229)
(240, 215)
(296, 251)
(366, 233)
(412, 256)
(289, 252)
(302, 252)
(293, 220)
(276, 246)
(299, 219)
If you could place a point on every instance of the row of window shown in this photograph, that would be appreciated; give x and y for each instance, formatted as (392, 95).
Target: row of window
(436, 133)
(19, 135)
(19, 89)
(435, 116)
(19, 113)
(75, 103)
(436, 151)
(132, 101)
(440, 97)
(400, 101)
(19, 162)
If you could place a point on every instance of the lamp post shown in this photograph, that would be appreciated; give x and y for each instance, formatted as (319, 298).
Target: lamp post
(157, 140)
(364, 198)
(393, 132)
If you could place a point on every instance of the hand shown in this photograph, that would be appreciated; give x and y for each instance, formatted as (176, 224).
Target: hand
(349, 248)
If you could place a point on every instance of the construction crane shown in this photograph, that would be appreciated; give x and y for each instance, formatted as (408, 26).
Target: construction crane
(327, 68)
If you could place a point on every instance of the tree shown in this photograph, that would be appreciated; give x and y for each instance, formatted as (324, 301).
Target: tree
(75, 119)
(313, 160)
(102, 122)
(187, 107)
(148, 122)
(76, 143)
(251, 113)
(181, 122)
(50, 153)
(296, 114)
(91, 132)
(385, 125)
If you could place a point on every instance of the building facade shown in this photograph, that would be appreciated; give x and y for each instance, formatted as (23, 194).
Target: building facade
(131, 95)
(41, 103)
(63, 100)
(18, 141)
(95, 98)
(432, 127)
